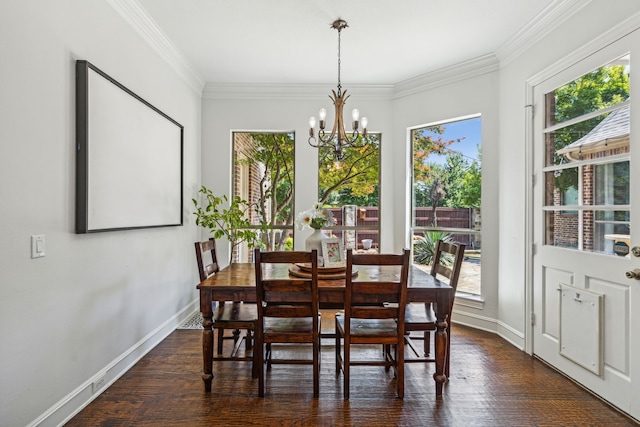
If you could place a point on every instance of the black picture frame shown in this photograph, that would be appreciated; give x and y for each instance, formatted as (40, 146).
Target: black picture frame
(129, 158)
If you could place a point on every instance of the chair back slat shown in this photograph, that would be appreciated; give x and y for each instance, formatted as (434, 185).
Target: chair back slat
(280, 297)
(367, 299)
(371, 312)
(450, 250)
(207, 267)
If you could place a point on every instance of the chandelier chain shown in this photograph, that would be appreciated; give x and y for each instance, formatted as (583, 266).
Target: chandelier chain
(339, 84)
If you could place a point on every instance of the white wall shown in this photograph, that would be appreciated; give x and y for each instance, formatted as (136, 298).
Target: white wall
(96, 302)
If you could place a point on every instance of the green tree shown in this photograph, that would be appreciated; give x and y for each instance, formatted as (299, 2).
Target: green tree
(273, 153)
(601, 88)
(354, 178)
(472, 185)
(427, 141)
(428, 177)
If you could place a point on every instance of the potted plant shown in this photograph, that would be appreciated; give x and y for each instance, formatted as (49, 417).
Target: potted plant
(231, 222)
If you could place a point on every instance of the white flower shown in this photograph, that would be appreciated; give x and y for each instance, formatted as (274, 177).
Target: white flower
(317, 217)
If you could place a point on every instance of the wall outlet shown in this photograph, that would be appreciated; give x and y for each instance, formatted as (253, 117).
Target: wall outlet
(98, 384)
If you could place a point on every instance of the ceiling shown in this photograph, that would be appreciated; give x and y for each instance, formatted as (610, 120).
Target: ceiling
(387, 42)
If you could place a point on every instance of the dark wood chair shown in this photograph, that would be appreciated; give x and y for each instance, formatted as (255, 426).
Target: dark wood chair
(447, 262)
(374, 314)
(287, 312)
(239, 317)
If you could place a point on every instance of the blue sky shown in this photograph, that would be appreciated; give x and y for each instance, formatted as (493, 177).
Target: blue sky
(470, 130)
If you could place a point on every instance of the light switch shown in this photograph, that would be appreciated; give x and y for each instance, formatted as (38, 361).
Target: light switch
(38, 248)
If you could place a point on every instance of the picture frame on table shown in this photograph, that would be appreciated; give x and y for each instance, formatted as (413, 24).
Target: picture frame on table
(333, 252)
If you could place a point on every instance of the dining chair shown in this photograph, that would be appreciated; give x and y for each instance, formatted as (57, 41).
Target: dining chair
(288, 312)
(228, 315)
(447, 262)
(368, 320)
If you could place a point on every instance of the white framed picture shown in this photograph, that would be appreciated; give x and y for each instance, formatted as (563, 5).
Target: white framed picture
(333, 252)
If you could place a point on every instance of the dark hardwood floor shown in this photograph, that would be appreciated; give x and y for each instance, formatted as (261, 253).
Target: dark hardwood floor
(492, 384)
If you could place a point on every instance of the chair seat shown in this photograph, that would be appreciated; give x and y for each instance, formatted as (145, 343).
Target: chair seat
(236, 312)
(418, 318)
(288, 325)
(370, 327)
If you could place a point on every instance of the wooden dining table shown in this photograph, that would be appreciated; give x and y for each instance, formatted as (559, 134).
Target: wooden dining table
(237, 283)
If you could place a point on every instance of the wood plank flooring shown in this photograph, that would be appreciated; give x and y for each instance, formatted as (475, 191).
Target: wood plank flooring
(492, 384)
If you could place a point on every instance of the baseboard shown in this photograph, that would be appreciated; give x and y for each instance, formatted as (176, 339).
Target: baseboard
(488, 324)
(78, 399)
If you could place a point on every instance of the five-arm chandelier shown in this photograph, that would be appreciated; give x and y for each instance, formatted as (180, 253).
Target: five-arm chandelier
(338, 140)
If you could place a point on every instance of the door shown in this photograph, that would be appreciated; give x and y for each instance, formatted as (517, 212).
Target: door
(586, 311)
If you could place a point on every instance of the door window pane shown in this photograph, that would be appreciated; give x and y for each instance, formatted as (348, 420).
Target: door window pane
(587, 138)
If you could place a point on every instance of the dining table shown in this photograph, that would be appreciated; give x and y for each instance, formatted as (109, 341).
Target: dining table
(236, 282)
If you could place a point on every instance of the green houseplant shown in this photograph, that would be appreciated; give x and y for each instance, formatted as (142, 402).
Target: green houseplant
(231, 222)
(424, 248)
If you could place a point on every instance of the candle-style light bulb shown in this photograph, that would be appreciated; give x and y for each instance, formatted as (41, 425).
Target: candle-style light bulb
(322, 114)
(312, 123)
(364, 122)
(355, 114)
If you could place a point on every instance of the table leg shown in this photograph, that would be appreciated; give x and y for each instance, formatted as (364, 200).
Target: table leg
(441, 354)
(206, 308)
(207, 349)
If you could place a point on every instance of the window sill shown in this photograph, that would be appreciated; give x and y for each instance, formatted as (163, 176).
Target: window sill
(469, 300)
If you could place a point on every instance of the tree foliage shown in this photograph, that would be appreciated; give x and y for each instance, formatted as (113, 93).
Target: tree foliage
(273, 153)
(456, 183)
(354, 179)
(598, 89)
(231, 222)
(427, 141)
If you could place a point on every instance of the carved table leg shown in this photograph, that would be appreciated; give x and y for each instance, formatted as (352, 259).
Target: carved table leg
(441, 355)
(207, 349)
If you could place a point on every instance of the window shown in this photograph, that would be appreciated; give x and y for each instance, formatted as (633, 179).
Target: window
(350, 188)
(263, 168)
(587, 154)
(447, 176)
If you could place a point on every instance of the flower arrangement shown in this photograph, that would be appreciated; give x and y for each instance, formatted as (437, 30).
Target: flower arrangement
(317, 217)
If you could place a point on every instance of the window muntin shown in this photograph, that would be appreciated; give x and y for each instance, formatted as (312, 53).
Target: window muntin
(587, 138)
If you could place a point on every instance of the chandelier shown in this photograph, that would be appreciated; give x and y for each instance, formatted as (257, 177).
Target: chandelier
(338, 139)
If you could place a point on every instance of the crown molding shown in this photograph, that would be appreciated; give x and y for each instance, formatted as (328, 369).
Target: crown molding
(291, 91)
(546, 21)
(621, 30)
(137, 17)
(444, 76)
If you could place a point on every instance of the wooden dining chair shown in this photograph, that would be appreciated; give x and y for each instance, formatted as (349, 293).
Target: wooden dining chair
(239, 317)
(447, 262)
(287, 312)
(368, 320)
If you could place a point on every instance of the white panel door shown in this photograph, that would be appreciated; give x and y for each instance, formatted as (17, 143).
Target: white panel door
(586, 220)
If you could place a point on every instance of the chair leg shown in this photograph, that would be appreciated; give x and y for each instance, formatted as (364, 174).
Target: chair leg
(248, 340)
(258, 353)
(347, 366)
(427, 343)
(268, 357)
(220, 340)
(316, 369)
(447, 361)
(399, 365)
(338, 363)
